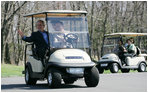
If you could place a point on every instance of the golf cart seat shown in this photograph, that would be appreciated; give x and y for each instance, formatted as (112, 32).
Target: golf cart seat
(138, 51)
(34, 52)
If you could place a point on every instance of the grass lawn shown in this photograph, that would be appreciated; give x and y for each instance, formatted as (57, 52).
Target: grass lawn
(8, 70)
(108, 71)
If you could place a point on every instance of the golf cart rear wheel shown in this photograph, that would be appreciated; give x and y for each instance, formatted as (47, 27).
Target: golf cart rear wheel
(142, 67)
(54, 78)
(91, 77)
(114, 68)
(28, 79)
(125, 70)
(69, 80)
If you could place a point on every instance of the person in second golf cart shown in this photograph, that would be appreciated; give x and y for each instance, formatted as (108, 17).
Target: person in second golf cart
(131, 47)
(39, 38)
(121, 51)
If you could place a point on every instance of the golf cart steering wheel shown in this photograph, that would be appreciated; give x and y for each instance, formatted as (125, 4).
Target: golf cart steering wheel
(70, 38)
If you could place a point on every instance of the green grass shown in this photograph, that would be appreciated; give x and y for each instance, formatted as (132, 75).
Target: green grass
(108, 71)
(8, 70)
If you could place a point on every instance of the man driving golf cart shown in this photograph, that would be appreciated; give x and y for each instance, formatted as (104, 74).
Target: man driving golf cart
(59, 38)
(121, 51)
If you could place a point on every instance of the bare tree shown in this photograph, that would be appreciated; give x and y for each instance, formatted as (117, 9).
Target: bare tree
(103, 17)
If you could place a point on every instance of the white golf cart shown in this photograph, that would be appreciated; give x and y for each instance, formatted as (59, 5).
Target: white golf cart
(68, 59)
(110, 59)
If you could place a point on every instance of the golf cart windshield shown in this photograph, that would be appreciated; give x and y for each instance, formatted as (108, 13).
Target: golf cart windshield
(68, 32)
(110, 45)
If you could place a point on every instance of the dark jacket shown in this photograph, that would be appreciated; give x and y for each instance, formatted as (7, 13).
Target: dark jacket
(121, 50)
(38, 40)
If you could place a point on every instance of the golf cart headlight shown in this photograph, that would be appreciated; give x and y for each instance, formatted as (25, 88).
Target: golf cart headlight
(75, 70)
(115, 58)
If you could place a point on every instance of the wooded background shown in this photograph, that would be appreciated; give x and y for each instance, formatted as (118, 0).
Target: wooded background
(103, 17)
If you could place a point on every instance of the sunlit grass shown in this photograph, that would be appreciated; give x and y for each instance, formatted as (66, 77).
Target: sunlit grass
(108, 71)
(8, 70)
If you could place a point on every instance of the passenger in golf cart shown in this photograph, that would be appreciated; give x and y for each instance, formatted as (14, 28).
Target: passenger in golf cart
(39, 39)
(131, 48)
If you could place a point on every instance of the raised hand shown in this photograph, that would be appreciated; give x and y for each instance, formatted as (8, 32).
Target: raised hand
(20, 33)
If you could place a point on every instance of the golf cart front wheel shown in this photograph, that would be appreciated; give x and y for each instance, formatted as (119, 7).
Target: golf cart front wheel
(142, 67)
(91, 77)
(54, 78)
(28, 79)
(114, 68)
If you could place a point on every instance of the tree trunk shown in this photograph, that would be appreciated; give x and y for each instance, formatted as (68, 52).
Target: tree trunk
(104, 29)
(91, 29)
(5, 26)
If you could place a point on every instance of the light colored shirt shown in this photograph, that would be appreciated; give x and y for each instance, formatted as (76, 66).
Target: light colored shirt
(132, 47)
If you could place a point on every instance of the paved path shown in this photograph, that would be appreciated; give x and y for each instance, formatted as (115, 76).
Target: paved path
(126, 82)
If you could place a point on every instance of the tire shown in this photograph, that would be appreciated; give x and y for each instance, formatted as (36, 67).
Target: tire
(28, 79)
(69, 80)
(125, 70)
(114, 68)
(142, 67)
(54, 78)
(91, 77)
(101, 70)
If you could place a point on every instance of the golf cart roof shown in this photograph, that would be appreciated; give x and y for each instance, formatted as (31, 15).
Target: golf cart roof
(126, 34)
(56, 13)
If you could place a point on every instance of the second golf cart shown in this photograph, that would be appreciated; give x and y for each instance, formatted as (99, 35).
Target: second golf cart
(110, 59)
(68, 59)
